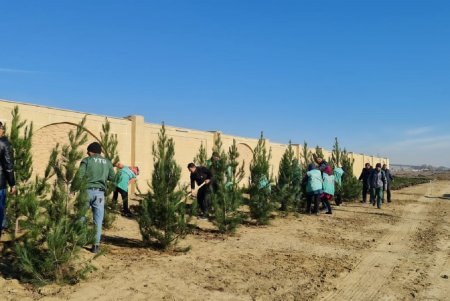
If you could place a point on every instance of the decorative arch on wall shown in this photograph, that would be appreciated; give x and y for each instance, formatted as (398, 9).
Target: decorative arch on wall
(245, 155)
(46, 138)
(69, 123)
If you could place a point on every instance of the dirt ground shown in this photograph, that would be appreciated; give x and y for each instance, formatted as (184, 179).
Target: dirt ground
(401, 252)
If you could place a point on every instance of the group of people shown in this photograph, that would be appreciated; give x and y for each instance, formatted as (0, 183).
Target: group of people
(321, 181)
(95, 169)
(376, 181)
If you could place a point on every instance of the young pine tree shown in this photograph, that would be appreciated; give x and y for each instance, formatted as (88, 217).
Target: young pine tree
(56, 228)
(336, 155)
(227, 195)
(318, 152)
(259, 187)
(20, 137)
(335, 162)
(201, 157)
(288, 188)
(306, 157)
(162, 217)
(109, 144)
(351, 187)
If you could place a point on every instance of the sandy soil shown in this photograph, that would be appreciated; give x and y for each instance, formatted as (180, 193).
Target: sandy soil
(401, 252)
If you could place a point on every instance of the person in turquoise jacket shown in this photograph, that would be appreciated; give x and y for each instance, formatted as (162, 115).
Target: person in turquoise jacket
(328, 188)
(125, 176)
(314, 188)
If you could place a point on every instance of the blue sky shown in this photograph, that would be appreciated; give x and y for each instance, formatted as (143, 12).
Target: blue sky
(376, 74)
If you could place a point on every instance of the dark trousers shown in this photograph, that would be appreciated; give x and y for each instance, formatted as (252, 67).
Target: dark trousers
(365, 191)
(338, 198)
(312, 198)
(3, 193)
(388, 193)
(124, 195)
(202, 199)
(326, 203)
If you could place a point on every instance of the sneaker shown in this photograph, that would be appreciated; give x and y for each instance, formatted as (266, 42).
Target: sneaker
(95, 249)
(328, 212)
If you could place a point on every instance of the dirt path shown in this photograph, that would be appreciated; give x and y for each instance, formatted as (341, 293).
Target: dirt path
(400, 252)
(405, 246)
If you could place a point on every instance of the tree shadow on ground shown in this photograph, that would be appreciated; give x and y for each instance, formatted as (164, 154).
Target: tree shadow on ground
(443, 197)
(123, 242)
(380, 213)
(7, 270)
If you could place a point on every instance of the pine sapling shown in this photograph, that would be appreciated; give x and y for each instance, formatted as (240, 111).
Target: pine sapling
(260, 202)
(162, 219)
(109, 143)
(56, 228)
(288, 188)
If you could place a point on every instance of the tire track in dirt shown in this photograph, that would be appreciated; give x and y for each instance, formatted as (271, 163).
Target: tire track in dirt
(372, 273)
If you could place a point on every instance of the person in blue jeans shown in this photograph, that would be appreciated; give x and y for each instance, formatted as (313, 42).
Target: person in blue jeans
(377, 185)
(97, 171)
(6, 175)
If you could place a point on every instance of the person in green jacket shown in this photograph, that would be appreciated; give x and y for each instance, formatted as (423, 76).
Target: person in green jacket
(96, 170)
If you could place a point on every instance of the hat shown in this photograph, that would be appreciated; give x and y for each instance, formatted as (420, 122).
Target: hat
(311, 166)
(95, 148)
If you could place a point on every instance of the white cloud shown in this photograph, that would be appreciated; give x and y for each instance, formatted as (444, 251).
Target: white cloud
(419, 131)
(433, 150)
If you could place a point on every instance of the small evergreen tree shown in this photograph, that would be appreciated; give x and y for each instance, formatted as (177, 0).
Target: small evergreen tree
(227, 195)
(318, 152)
(288, 188)
(201, 157)
(56, 228)
(351, 187)
(336, 155)
(259, 187)
(20, 137)
(162, 217)
(109, 144)
(306, 157)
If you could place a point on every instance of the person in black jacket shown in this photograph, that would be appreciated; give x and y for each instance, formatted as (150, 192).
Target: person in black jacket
(389, 179)
(364, 177)
(200, 175)
(6, 174)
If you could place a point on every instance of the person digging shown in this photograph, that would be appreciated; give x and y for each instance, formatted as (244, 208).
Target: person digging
(125, 176)
(201, 176)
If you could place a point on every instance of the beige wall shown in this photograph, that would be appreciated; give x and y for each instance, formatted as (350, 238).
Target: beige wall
(136, 137)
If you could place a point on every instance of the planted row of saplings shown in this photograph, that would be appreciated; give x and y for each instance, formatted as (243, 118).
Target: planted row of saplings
(55, 228)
